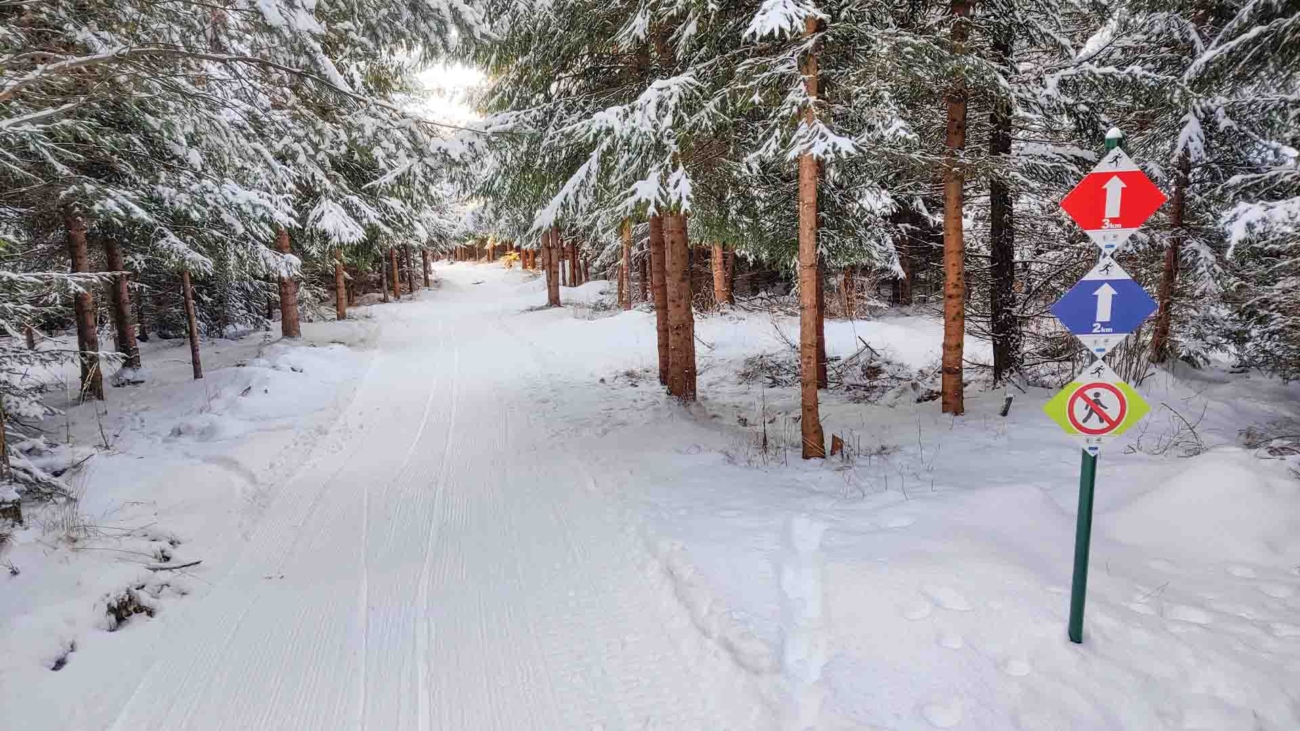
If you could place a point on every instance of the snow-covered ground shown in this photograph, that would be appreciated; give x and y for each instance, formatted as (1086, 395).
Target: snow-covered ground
(462, 512)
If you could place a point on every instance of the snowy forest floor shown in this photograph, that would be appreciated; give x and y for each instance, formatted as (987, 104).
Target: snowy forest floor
(463, 512)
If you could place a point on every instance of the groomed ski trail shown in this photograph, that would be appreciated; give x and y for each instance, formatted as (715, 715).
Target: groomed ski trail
(443, 563)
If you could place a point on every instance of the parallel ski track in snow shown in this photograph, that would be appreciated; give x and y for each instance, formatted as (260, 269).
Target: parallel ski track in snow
(442, 563)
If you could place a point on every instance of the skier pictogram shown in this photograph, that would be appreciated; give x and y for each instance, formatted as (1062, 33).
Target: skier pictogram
(1112, 201)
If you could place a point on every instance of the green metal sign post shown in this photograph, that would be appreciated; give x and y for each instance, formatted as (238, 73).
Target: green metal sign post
(1083, 525)
(1082, 542)
(1098, 404)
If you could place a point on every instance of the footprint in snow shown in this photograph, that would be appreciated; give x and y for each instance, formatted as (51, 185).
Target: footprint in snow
(1142, 608)
(1160, 564)
(1282, 629)
(1277, 591)
(951, 640)
(1017, 667)
(917, 610)
(898, 521)
(942, 714)
(1242, 572)
(1184, 613)
(947, 598)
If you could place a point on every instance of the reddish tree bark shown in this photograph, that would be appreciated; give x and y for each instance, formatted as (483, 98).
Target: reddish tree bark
(681, 318)
(120, 298)
(410, 270)
(340, 287)
(289, 327)
(849, 287)
(625, 268)
(560, 254)
(1169, 276)
(954, 245)
(823, 380)
(659, 289)
(192, 324)
(643, 279)
(721, 276)
(395, 271)
(92, 379)
(551, 251)
(814, 442)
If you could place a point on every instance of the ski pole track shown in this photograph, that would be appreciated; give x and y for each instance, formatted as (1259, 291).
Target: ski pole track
(443, 562)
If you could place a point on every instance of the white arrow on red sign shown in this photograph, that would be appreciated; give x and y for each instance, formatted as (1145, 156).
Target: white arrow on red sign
(1112, 201)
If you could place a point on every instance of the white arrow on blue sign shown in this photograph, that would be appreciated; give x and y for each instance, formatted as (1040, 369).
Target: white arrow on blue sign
(1104, 307)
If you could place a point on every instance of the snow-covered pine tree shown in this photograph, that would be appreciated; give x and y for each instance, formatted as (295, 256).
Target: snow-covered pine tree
(182, 135)
(1253, 63)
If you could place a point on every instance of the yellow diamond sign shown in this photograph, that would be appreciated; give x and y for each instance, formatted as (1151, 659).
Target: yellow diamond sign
(1096, 404)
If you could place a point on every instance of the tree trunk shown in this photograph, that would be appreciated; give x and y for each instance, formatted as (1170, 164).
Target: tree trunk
(903, 245)
(6, 469)
(92, 380)
(120, 299)
(383, 277)
(340, 287)
(954, 245)
(142, 333)
(681, 319)
(1003, 324)
(823, 379)
(849, 288)
(643, 278)
(625, 269)
(424, 264)
(659, 288)
(395, 271)
(30, 332)
(814, 443)
(288, 294)
(410, 271)
(552, 254)
(561, 261)
(722, 262)
(1160, 349)
(192, 324)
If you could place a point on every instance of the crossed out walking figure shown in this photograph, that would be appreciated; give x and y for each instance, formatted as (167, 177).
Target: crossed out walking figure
(1090, 414)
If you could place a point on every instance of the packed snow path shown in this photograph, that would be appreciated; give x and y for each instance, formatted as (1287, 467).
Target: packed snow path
(442, 562)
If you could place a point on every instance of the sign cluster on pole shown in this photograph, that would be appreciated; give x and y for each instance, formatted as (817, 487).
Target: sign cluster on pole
(1106, 306)
(1103, 309)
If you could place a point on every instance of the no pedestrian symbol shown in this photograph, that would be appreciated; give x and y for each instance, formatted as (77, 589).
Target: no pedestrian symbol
(1112, 201)
(1096, 404)
(1096, 409)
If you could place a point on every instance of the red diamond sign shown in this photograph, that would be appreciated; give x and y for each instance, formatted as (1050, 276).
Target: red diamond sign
(1112, 201)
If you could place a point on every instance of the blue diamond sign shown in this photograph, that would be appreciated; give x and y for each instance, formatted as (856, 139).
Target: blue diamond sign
(1104, 307)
